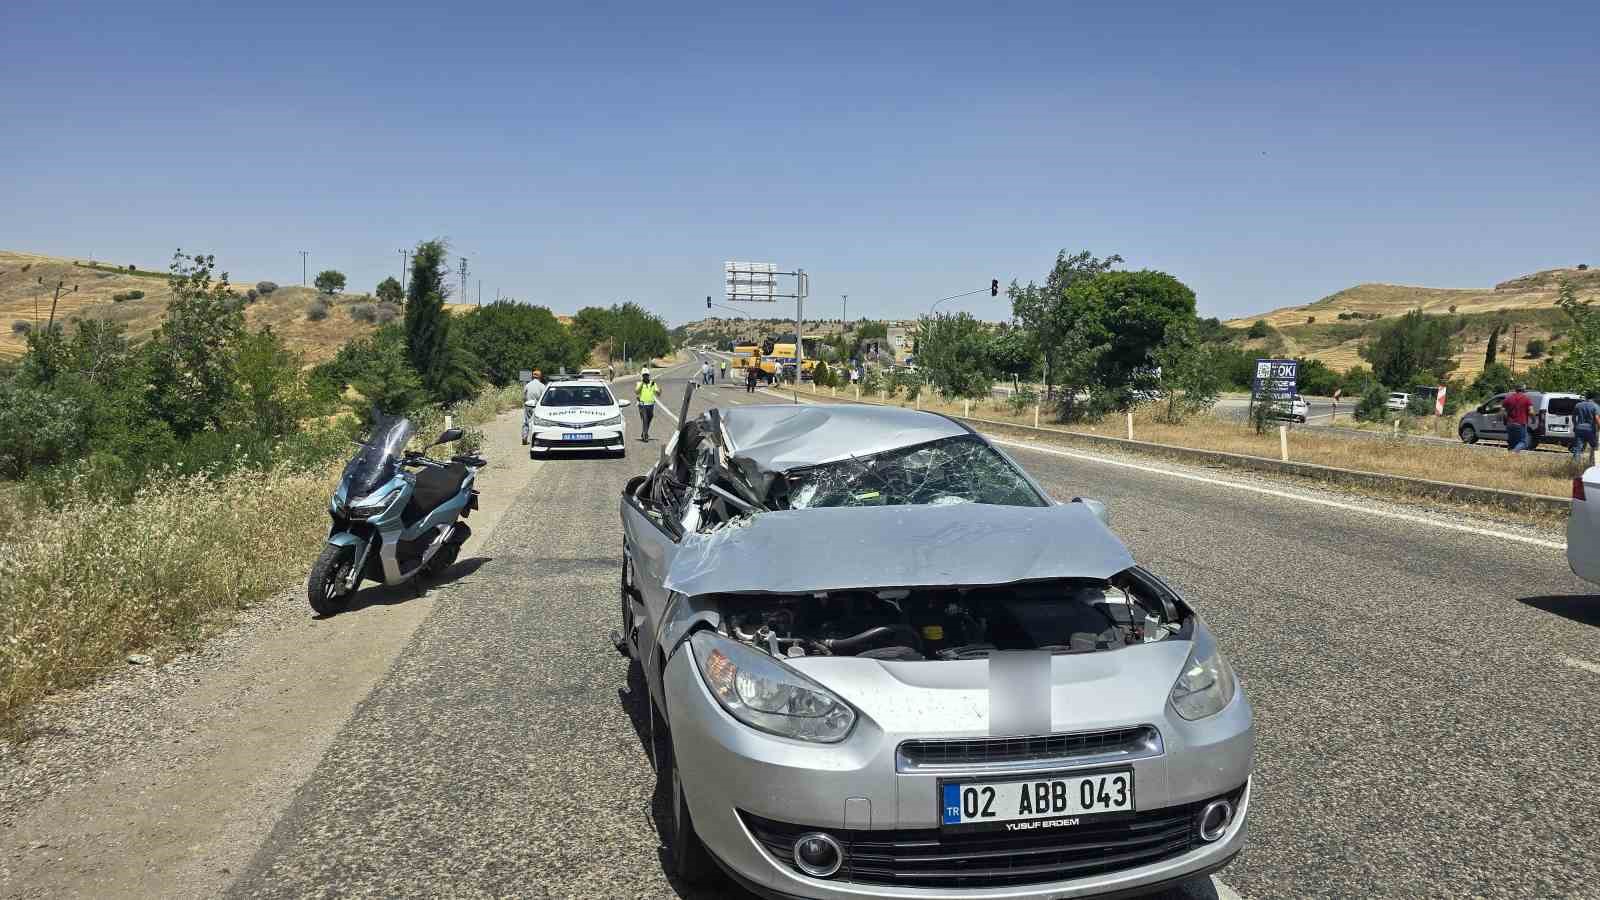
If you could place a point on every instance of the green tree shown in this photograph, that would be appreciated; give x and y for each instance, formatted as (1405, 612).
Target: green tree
(380, 371)
(446, 369)
(1316, 378)
(507, 337)
(1578, 367)
(1014, 353)
(1373, 406)
(1259, 329)
(593, 326)
(1493, 349)
(1536, 348)
(329, 281)
(1188, 376)
(272, 386)
(197, 347)
(389, 291)
(1412, 347)
(868, 330)
(1048, 314)
(953, 351)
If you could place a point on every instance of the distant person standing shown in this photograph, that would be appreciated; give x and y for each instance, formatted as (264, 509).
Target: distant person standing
(724, 371)
(1518, 406)
(705, 372)
(611, 372)
(532, 393)
(646, 391)
(749, 379)
(1585, 423)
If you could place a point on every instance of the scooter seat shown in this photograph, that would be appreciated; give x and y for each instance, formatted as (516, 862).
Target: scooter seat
(432, 489)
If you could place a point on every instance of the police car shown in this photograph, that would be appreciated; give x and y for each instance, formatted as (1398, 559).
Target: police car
(581, 414)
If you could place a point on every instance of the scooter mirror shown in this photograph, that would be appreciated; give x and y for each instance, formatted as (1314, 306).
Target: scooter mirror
(450, 434)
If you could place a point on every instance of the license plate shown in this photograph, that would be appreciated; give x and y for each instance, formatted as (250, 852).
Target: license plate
(1050, 802)
(577, 436)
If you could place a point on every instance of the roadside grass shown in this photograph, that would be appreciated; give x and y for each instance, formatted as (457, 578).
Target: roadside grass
(83, 585)
(1536, 473)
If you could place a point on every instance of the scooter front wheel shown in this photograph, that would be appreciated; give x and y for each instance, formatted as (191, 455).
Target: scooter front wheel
(325, 588)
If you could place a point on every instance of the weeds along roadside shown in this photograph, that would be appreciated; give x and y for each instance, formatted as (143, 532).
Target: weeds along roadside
(83, 585)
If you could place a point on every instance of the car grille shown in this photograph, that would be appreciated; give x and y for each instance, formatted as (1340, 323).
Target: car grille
(578, 445)
(1120, 743)
(931, 858)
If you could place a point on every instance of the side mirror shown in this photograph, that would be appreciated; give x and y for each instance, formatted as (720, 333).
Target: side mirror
(450, 434)
(622, 403)
(1096, 507)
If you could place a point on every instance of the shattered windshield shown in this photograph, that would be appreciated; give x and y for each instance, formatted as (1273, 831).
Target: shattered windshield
(961, 469)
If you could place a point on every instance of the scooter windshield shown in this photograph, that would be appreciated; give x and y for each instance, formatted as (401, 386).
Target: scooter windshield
(379, 457)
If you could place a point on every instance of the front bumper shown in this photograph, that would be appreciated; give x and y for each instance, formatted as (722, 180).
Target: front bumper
(750, 793)
(556, 440)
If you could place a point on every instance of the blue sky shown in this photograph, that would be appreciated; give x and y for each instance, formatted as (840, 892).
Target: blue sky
(588, 153)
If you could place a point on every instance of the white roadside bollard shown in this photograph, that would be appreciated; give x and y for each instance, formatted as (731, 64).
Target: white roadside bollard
(1396, 427)
(1283, 442)
(448, 422)
(858, 392)
(966, 406)
(1036, 414)
(1130, 425)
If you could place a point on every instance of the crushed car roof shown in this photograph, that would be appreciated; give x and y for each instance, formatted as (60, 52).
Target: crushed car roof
(966, 544)
(782, 437)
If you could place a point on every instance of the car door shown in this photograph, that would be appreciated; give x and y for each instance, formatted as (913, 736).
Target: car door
(1492, 416)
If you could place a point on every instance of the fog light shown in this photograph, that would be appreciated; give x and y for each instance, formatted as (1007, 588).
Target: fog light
(1215, 819)
(817, 854)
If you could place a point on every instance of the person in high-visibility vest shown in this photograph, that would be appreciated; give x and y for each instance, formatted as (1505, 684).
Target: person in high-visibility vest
(646, 391)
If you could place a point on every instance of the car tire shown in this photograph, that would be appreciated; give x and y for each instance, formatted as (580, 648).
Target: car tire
(326, 580)
(691, 863)
(1300, 419)
(1469, 435)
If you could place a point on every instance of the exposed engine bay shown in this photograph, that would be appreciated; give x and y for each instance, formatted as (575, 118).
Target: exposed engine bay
(1064, 616)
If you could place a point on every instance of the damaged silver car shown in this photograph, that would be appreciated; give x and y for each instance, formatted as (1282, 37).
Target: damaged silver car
(882, 662)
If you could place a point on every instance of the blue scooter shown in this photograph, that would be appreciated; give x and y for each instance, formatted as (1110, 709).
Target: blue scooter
(394, 515)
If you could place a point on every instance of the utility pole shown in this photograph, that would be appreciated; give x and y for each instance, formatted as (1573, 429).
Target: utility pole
(1514, 330)
(480, 291)
(405, 263)
(303, 255)
(463, 279)
(845, 299)
(802, 289)
(48, 328)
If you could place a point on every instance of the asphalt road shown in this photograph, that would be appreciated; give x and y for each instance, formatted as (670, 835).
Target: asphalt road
(1424, 699)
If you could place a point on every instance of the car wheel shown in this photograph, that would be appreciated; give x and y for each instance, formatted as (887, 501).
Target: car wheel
(1300, 419)
(690, 861)
(1469, 435)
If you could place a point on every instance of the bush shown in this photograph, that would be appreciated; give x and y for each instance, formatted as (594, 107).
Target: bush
(1421, 404)
(1373, 406)
(384, 313)
(1021, 401)
(1535, 348)
(252, 295)
(317, 311)
(821, 376)
(1311, 320)
(127, 295)
(364, 312)
(21, 326)
(266, 287)
(1259, 330)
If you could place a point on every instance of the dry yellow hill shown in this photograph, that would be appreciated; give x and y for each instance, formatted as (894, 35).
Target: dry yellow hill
(28, 280)
(1315, 330)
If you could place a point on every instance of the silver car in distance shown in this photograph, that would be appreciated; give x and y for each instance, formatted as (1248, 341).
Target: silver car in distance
(881, 662)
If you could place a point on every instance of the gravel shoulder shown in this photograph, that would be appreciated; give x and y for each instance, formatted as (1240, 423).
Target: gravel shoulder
(163, 780)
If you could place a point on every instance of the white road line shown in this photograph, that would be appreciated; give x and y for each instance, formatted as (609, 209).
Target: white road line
(1223, 891)
(1287, 495)
(1583, 664)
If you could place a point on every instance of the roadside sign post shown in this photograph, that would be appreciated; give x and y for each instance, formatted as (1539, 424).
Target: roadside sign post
(758, 283)
(1276, 380)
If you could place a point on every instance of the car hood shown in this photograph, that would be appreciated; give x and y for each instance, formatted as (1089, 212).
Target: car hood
(967, 544)
(577, 415)
(959, 698)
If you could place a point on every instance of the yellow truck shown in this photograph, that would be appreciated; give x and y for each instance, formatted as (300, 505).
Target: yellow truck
(744, 355)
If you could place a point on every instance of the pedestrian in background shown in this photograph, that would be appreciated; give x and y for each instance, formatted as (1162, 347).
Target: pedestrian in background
(1584, 426)
(646, 392)
(532, 393)
(749, 379)
(1517, 406)
(724, 371)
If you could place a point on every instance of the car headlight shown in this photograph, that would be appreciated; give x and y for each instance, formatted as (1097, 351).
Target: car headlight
(544, 423)
(375, 502)
(613, 420)
(768, 695)
(1206, 685)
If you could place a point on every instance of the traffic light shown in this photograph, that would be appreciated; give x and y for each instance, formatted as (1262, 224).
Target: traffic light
(994, 288)
(708, 303)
